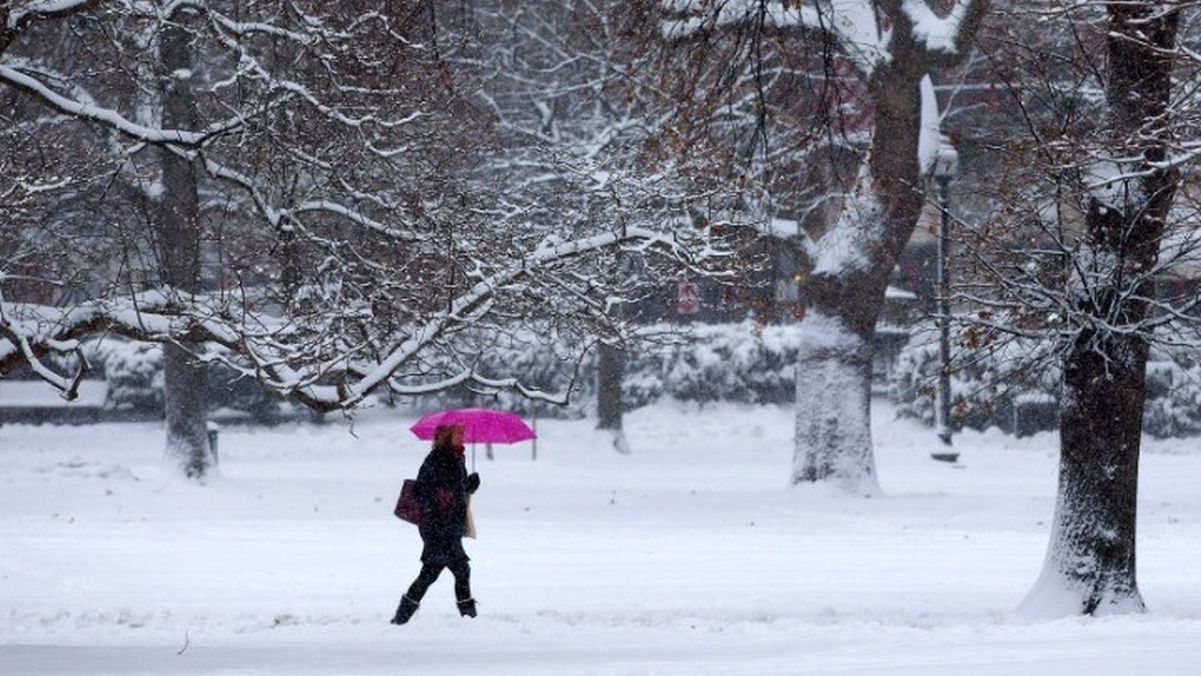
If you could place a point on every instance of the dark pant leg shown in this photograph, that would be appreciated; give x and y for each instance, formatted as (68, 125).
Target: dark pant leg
(462, 573)
(424, 579)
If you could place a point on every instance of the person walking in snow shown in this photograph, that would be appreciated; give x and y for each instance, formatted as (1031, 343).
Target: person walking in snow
(443, 485)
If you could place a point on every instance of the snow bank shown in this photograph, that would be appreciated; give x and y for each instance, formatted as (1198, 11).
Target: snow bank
(687, 556)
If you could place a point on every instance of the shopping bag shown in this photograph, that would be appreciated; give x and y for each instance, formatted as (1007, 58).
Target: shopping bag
(469, 526)
(407, 508)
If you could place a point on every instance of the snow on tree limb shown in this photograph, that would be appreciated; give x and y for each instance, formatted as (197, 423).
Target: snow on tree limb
(363, 227)
(44, 9)
(351, 215)
(18, 344)
(939, 34)
(239, 27)
(864, 29)
(247, 39)
(106, 116)
(852, 23)
(845, 248)
(930, 137)
(471, 305)
(276, 354)
(707, 15)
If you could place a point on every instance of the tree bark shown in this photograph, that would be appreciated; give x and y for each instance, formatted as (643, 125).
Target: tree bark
(833, 407)
(833, 441)
(609, 370)
(178, 240)
(610, 364)
(1092, 552)
(1090, 563)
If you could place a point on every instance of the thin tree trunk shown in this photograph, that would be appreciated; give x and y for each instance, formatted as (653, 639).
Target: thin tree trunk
(609, 371)
(1090, 562)
(178, 236)
(610, 364)
(186, 400)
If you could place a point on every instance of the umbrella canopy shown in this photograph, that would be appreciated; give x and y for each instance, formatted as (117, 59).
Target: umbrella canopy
(482, 425)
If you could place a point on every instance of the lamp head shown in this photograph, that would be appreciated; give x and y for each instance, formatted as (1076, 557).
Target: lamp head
(947, 163)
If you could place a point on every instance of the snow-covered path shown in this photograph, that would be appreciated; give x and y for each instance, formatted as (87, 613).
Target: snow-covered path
(689, 556)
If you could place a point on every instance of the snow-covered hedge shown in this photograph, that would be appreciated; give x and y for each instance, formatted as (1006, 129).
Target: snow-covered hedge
(719, 362)
(985, 383)
(1173, 407)
(988, 382)
(740, 362)
(133, 374)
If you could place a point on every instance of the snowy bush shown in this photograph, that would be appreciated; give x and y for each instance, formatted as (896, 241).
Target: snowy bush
(987, 382)
(232, 390)
(1173, 407)
(546, 366)
(714, 362)
(734, 362)
(133, 375)
(911, 381)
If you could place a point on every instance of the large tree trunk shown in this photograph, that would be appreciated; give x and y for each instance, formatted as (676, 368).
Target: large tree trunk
(178, 239)
(833, 441)
(846, 288)
(1090, 563)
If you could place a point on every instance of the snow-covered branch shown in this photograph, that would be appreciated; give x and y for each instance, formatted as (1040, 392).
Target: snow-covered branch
(946, 34)
(855, 25)
(23, 13)
(277, 350)
(108, 116)
(863, 29)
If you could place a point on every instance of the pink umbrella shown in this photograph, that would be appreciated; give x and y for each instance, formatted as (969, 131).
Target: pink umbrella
(482, 425)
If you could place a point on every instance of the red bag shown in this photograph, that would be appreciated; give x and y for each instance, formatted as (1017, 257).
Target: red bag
(407, 508)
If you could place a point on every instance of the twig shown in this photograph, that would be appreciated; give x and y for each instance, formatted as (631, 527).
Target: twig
(187, 640)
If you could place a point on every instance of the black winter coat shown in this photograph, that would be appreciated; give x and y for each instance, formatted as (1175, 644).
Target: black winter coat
(442, 489)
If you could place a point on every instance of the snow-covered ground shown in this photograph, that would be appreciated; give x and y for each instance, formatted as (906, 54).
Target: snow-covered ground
(689, 556)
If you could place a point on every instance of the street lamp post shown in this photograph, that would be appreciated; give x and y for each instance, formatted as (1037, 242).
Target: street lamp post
(944, 172)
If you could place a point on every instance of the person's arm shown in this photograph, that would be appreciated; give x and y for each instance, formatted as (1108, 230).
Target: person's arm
(425, 490)
(473, 482)
(461, 493)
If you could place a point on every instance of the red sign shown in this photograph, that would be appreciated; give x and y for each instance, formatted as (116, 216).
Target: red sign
(688, 299)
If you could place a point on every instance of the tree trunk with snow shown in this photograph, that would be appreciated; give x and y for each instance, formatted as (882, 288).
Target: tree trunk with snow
(892, 46)
(178, 241)
(1091, 559)
(1090, 563)
(846, 286)
(833, 441)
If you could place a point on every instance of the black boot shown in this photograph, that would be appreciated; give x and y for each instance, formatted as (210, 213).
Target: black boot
(405, 610)
(467, 608)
